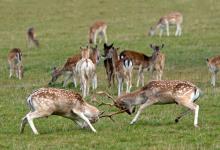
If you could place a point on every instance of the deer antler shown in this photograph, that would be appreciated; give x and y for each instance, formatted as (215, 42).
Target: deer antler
(110, 115)
(105, 93)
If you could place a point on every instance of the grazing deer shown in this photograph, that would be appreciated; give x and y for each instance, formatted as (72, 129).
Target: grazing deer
(98, 29)
(158, 61)
(154, 63)
(45, 102)
(69, 66)
(15, 63)
(31, 38)
(108, 64)
(158, 92)
(86, 71)
(214, 66)
(123, 70)
(174, 18)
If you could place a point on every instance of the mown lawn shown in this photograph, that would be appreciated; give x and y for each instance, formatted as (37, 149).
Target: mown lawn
(62, 27)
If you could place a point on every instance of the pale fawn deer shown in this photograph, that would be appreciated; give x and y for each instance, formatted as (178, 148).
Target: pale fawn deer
(98, 29)
(15, 63)
(214, 66)
(178, 92)
(86, 71)
(174, 18)
(45, 102)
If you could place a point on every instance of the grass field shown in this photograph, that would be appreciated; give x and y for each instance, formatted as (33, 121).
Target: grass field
(62, 27)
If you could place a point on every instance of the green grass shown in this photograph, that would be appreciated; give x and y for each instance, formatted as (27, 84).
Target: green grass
(62, 27)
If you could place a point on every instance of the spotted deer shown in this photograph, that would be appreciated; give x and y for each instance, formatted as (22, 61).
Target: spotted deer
(214, 66)
(15, 63)
(123, 70)
(174, 18)
(70, 65)
(45, 102)
(142, 62)
(31, 38)
(86, 71)
(178, 92)
(98, 29)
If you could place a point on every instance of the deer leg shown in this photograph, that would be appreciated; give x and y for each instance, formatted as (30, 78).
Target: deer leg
(33, 115)
(167, 28)
(105, 36)
(119, 85)
(11, 70)
(161, 31)
(140, 71)
(177, 30)
(181, 115)
(180, 30)
(94, 82)
(81, 115)
(23, 123)
(66, 78)
(95, 36)
(213, 79)
(195, 108)
(143, 106)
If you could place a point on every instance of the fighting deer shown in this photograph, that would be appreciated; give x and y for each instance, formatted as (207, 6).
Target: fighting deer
(174, 18)
(141, 62)
(98, 29)
(123, 70)
(31, 38)
(69, 66)
(158, 92)
(108, 64)
(86, 71)
(15, 63)
(45, 102)
(214, 66)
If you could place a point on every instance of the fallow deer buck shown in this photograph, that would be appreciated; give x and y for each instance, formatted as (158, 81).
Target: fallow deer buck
(86, 71)
(15, 63)
(158, 92)
(69, 66)
(98, 29)
(31, 38)
(214, 66)
(141, 62)
(123, 70)
(45, 102)
(174, 18)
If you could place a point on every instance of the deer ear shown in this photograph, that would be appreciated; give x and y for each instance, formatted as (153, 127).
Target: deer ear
(162, 46)
(54, 68)
(111, 45)
(151, 46)
(105, 45)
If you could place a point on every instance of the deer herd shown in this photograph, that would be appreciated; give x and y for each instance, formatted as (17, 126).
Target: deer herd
(118, 63)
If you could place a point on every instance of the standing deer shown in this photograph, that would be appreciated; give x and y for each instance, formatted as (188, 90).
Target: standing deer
(157, 62)
(45, 102)
(98, 29)
(15, 63)
(69, 66)
(158, 92)
(108, 64)
(214, 66)
(142, 62)
(86, 71)
(174, 18)
(31, 38)
(123, 70)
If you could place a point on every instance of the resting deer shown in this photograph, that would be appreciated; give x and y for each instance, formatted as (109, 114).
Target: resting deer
(108, 64)
(69, 66)
(154, 63)
(174, 18)
(15, 63)
(158, 92)
(214, 66)
(123, 70)
(86, 71)
(31, 38)
(45, 102)
(98, 29)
